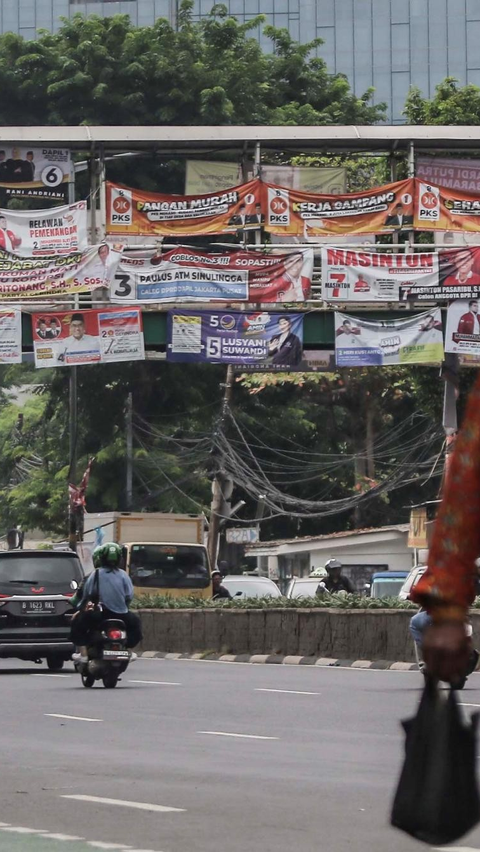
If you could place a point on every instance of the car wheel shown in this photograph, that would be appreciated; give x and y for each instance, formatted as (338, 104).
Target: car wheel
(88, 680)
(55, 664)
(110, 680)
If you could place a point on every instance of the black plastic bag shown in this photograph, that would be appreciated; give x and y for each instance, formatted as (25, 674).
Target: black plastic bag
(437, 797)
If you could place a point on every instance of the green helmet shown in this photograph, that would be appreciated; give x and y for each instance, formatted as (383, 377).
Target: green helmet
(110, 555)
(97, 556)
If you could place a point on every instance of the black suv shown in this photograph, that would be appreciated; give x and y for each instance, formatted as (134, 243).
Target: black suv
(35, 610)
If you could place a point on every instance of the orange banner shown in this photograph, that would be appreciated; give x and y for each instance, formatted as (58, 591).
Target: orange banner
(383, 210)
(132, 212)
(438, 208)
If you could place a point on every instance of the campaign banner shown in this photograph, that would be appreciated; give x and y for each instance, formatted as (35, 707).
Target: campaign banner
(202, 176)
(463, 327)
(364, 343)
(261, 339)
(313, 361)
(361, 276)
(438, 208)
(453, 172)
(384, 210)
(34, 172)
(25, 278)
(331, 179)
(43, 233)
(458, 278)
(132, 212)
(10, 337)
(76, 338)
(185, 274)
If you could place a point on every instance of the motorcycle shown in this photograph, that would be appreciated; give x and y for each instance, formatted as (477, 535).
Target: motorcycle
(108, 655)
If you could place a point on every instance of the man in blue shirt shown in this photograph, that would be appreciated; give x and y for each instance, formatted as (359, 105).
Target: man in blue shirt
(114, 590)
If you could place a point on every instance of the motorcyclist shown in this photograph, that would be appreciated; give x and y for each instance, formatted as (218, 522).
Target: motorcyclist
(115, 592)
(335, 581)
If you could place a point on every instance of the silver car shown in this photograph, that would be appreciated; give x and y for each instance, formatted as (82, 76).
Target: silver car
(244, 586)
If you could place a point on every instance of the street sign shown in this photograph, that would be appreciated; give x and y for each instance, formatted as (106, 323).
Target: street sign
(242, 535)
(417, 535)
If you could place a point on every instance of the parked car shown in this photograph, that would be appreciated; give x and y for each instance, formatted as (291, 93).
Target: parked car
(411, 581)
(244, 586)
(303, 587)
(35, 591)
(387, 584)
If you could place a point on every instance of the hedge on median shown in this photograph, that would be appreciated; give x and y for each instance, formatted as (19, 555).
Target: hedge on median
(324, 602)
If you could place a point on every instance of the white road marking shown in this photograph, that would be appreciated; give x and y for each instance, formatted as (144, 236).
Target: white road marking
(76, 718)
(141, 806)
(288, 691)
(243, 736)
(97, 844)
(160, 682)
(49, 675)
(18, 829)
(62, 837)
(462, 704)
(456, 849)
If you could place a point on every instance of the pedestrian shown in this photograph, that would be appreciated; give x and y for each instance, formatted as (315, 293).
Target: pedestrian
(219, 590)
(448, 587)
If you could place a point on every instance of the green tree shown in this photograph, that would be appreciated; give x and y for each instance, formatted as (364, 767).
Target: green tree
(451, 104)
(106, 71)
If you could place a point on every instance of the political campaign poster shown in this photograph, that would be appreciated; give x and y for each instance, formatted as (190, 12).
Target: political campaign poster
(463, 327)
(263, 339)
(364, 343)
(76, 338)
(10, 337)
(43, 233)
(313, 361)
(185, 274)
(362, 276)
(32, 277)
(132, 212)
(34, 172)
(458, 278)
(449, 239)
(452, 172)
(384, 210)
(438, 208)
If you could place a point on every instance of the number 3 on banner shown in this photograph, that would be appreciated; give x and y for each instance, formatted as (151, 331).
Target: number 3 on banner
(124, 288)
(214, 347)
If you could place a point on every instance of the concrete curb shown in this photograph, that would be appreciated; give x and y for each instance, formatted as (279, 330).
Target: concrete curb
(277, 659)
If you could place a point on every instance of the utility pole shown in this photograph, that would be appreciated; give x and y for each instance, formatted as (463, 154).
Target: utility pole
(218, 496)
(129, 442)
(73, 424)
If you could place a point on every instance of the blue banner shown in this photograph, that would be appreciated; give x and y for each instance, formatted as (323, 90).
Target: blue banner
(261, 339)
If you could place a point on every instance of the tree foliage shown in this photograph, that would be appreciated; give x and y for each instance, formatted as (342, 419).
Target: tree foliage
(106, 71)
(452, 104)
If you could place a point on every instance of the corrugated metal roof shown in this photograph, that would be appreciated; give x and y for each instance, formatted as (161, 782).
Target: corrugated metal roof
(343, 534)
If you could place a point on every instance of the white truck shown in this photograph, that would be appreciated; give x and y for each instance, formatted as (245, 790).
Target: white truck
(165, 553)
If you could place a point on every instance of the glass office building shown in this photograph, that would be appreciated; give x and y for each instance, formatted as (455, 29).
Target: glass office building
(388, 44)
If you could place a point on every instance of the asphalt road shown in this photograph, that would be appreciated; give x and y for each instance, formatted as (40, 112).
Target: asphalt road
(314, 769)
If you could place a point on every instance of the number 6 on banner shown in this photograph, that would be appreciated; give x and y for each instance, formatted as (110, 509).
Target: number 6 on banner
(214, 347)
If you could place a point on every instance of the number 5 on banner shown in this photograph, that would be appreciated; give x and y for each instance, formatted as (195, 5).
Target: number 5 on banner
(214, 347)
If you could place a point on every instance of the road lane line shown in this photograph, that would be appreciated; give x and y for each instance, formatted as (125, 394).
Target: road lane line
(141, 806)
(62, 837)
(98, 844)
(462, 704)
(160, 682)
(76, 718)
(288, 691)
(243, 736)
(19, 829)
(49, 675)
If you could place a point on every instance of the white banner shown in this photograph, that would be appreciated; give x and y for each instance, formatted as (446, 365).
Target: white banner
(43, 233)
(368, 343)
(463, 327)
(360, 276)
(10, 337)
(24, 278)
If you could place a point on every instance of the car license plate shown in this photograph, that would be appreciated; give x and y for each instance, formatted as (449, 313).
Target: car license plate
(34, 607)
(116, 653)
